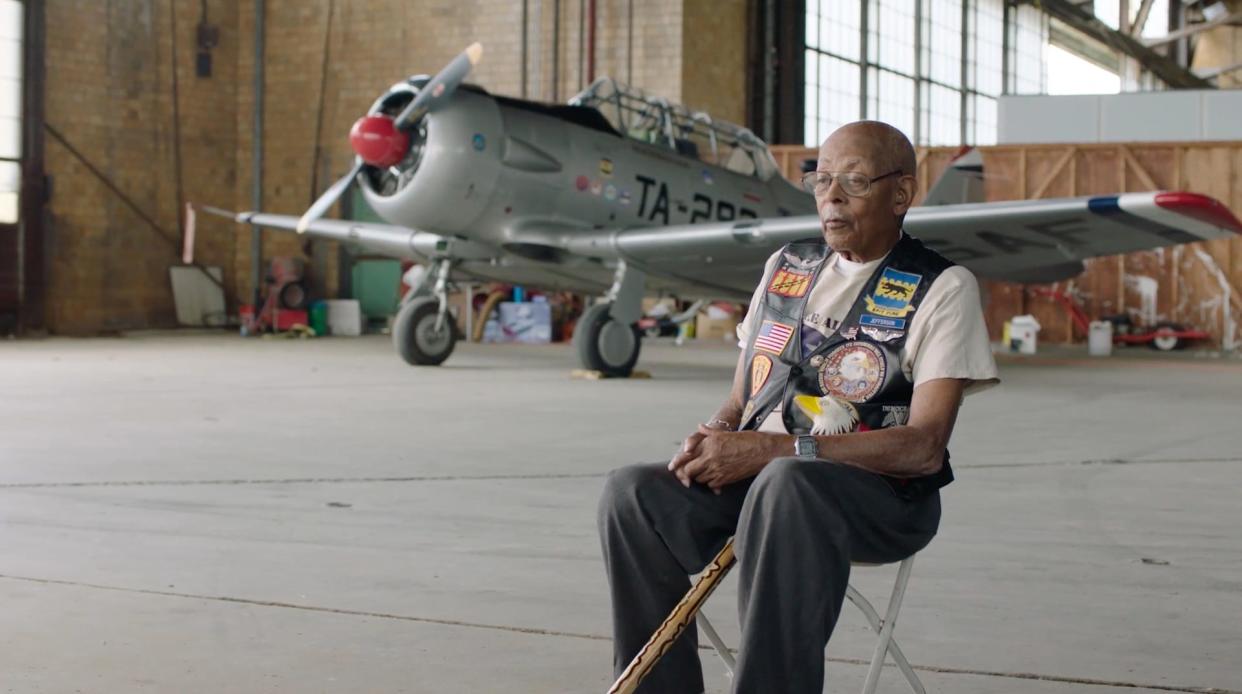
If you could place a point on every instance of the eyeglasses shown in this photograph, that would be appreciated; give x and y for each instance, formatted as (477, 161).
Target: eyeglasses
(852, 183)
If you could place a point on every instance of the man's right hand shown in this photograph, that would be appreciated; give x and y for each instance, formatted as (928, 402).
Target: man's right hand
(689, 451)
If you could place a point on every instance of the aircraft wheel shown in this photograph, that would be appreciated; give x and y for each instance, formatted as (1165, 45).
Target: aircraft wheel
(415, 336)
(1164, 340)
(606, 345)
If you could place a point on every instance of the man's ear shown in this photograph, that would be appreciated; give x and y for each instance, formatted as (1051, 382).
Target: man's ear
(903, 197)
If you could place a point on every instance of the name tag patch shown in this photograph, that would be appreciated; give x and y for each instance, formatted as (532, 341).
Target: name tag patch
(882, 322)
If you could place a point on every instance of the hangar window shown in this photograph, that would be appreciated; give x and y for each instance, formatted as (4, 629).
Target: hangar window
(933, 68)
(10, 108)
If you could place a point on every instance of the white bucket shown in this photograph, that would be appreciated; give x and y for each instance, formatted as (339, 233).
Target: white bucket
(1023, 331)
(1100, 338)
(344, 317)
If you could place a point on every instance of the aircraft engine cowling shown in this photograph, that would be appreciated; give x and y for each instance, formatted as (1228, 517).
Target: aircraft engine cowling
(447, 176)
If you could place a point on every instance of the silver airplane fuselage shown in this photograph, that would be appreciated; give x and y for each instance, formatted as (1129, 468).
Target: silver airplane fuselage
(522, 180)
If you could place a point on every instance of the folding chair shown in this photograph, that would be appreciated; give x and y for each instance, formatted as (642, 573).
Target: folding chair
(883, 627)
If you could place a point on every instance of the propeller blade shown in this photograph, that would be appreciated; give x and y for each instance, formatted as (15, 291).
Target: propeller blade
(440, 87)
(329, 196)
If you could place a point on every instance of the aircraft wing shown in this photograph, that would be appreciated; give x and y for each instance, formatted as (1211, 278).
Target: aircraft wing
(390, 239)
(1021, 241)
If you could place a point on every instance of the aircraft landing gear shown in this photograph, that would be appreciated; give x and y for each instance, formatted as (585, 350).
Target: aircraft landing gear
(605, 344)
(423, 332)
(607, 338)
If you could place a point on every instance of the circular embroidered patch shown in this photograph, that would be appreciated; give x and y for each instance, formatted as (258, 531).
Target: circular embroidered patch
(854, 372)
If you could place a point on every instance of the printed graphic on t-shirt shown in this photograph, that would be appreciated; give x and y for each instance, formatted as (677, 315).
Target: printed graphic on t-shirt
(825, 324)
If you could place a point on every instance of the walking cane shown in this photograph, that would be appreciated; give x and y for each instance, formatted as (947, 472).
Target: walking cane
(676, 623)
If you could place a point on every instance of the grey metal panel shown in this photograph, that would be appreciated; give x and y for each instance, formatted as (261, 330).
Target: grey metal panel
(1150, 117)
(1222, 115)
(1044, 119)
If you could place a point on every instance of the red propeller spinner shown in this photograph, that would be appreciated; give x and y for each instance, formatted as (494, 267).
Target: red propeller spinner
(378, 141)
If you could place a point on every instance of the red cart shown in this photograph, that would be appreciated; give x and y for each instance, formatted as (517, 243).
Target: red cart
(1164, 336)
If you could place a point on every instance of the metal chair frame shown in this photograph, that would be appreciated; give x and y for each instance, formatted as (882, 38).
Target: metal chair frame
(884, 628)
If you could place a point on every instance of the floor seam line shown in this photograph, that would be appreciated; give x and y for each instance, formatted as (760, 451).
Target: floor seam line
(590, 637)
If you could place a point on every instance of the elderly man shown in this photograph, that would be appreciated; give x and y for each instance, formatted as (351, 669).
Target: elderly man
(831, 448)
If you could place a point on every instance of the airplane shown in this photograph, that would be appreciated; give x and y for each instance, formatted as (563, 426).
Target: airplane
(622, 194)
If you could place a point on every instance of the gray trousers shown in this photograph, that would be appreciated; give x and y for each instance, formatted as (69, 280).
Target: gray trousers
(797, 527)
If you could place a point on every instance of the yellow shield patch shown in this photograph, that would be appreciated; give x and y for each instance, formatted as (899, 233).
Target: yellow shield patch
(760, 369)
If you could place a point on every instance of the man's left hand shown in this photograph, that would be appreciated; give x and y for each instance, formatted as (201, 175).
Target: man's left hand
(725, 457)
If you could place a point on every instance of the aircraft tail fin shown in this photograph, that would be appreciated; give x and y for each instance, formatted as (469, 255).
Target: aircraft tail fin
(961, 182)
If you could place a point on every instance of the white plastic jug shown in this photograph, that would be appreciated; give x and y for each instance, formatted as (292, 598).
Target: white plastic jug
(1022, 333)
(1100, 338)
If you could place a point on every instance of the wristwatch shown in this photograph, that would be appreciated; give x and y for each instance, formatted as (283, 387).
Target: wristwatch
(806, 447)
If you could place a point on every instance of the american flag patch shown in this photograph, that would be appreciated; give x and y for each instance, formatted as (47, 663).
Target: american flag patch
(773, 337)
(790, 282)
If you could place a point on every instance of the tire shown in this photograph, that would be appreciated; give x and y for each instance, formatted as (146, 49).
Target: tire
(605, 345)
(1167, 342)
(293, 296)
(414, 335)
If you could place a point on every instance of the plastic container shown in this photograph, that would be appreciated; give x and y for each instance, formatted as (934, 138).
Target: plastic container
(319, 317)
(1023, 333)
(1100, 338)
(344, 317)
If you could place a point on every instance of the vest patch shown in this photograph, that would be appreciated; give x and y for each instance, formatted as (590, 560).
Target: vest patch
(748, 410)
(760, 369)
(853, 372)
(790, 282)
(893, 293)
(880, 322)
(829, 416)
(772, 337)
(882, 335)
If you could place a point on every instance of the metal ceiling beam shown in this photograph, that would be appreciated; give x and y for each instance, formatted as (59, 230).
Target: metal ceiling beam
(1193, 29)
(1140, 19)
(1163, 67)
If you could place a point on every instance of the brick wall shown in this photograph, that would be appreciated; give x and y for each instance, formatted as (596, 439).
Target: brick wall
(110, 92)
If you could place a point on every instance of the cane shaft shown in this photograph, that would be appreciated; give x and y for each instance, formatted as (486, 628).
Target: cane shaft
(676, 623)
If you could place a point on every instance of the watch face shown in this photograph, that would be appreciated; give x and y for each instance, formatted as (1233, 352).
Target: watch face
(805, 446)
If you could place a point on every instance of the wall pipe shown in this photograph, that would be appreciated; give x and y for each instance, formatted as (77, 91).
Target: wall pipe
(256, 154)
(525, 43)
(590, 42)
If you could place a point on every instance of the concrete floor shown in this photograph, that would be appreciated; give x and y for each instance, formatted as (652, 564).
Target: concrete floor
(202, 513)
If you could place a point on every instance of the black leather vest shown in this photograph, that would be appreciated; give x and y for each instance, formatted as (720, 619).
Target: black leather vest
(851, 381)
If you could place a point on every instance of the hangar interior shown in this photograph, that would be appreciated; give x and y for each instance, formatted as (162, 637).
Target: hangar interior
(186, 506)
(118, 116)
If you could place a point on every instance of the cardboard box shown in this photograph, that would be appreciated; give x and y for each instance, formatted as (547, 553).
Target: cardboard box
(529, 322)
(723, 329)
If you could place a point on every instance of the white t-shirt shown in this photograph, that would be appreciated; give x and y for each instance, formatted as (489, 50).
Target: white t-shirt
(947, 337)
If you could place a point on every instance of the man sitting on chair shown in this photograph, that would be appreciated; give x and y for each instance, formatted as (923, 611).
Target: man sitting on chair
(831, 448)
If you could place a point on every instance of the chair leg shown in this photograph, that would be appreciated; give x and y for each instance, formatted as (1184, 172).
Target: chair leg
(886, 644)
(721, 649)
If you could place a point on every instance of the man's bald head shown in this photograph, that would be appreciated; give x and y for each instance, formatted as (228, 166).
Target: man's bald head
(887, 147)
(865, 222)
